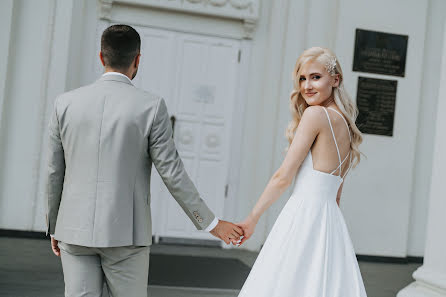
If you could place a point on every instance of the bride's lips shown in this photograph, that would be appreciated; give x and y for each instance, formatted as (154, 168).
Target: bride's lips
(310, 94)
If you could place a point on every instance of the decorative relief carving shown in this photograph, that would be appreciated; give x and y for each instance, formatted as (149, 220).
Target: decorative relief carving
(241, 4)
(249, 27)
(204, 93)
(244, 10)
(218, 2)
(212, 141)
(186, 137)
(105, 9)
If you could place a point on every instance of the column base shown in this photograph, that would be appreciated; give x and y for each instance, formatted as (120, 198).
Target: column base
(428, 284)
(417, 289)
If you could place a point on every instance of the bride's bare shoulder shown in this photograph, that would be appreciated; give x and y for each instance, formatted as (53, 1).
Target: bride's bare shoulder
(314, 114)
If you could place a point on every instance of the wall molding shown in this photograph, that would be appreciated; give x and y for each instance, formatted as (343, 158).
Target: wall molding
(23, 234)
(389, 259)
(245, 11)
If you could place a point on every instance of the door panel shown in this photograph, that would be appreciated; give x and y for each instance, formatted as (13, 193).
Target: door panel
(197, 76)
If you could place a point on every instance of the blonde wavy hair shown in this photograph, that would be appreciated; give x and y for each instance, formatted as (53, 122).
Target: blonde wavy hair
(341, 97)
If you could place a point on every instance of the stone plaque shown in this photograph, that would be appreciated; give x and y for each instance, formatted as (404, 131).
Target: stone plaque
(381, 53)
(376, 103)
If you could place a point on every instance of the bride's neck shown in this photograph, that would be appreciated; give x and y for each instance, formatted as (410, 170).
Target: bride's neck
(330, 101)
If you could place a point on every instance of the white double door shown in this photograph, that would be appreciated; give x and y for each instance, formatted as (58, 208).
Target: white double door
(197, 76)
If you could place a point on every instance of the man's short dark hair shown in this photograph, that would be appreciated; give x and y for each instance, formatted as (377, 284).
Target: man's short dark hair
(119, 46)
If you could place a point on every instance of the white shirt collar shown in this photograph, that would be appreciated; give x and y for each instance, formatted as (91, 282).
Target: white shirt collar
(116, 73)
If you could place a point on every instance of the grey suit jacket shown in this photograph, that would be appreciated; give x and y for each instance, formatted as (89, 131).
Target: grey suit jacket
(103, 139)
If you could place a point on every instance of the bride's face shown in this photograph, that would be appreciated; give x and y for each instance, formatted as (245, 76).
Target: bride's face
(315, 83)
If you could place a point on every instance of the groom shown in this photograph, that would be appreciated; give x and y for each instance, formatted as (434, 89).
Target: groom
(103, 139)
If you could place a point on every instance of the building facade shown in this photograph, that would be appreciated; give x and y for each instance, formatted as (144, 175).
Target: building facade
(224, 68)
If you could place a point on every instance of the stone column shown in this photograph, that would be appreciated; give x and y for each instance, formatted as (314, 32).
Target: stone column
(6, 17)
(55, 77)
(430, 279)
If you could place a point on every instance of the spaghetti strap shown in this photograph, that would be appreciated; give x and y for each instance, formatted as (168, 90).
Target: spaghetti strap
(334, 138)
(350, 152)
(348, 129)
(349, 165)
(341, 163)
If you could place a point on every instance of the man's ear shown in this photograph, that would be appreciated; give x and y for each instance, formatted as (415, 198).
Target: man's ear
(101, 58)
(138, 56)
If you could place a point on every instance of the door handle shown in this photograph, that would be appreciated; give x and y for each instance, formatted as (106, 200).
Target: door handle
(173, 120)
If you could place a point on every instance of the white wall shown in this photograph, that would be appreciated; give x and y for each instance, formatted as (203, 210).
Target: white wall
(378, 196)
(384, 200)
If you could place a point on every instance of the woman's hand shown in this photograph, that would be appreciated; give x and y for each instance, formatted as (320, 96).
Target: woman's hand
(248, 226)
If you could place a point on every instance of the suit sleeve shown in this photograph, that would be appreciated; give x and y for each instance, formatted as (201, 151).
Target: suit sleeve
(55, 172)
(171, 169)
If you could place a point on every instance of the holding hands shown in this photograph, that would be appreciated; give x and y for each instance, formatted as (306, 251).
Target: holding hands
(227, 231)
(232, 233)
(248, 225)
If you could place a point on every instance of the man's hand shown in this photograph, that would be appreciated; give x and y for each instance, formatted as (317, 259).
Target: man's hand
(228, 232)
(55, 246)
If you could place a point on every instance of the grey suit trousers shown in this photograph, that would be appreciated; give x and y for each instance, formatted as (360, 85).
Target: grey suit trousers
(124, 269)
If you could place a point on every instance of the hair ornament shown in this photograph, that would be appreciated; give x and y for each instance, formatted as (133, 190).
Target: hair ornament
(331, 65)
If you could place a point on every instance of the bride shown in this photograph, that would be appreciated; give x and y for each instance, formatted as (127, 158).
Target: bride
(308, 252)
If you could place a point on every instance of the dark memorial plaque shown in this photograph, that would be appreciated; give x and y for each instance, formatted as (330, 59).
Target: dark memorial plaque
(381, 53)
(376, 103)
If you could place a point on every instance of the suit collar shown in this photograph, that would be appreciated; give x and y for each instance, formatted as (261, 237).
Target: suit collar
(112, 76)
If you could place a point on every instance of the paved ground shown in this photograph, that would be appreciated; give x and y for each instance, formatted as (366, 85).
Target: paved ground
(29, 269)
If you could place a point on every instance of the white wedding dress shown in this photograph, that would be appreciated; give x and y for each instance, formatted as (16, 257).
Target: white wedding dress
(308, 252)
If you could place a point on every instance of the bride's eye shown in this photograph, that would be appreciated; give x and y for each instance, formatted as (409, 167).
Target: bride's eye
(302, 79)
(316, 77)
